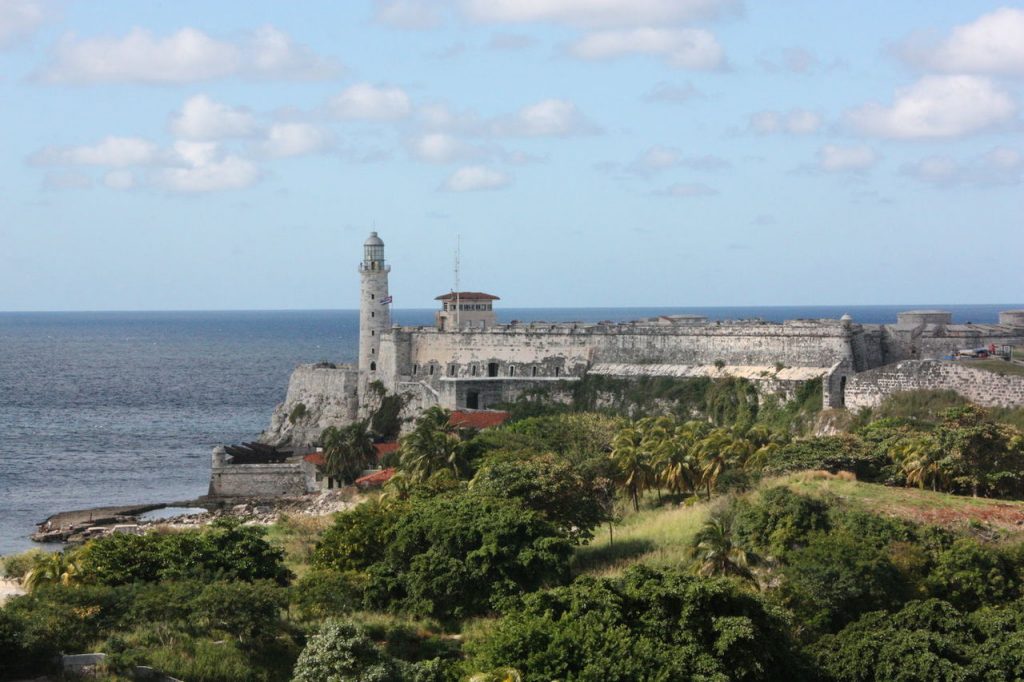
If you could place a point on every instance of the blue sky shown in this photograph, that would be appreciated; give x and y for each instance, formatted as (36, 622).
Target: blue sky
(230, 155)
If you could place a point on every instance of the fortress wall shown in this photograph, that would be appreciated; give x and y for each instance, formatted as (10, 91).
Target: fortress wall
(868, 389)
(329, 395)
(260, 480)
(566, 350)
(936, 346)
(801, 344)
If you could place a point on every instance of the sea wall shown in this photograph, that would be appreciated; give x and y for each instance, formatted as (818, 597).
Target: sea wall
(262, 480)
(318, 396)
(869, 389)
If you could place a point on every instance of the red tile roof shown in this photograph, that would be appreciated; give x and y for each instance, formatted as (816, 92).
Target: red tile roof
(478, 419)
(384, 448)
(467, 296)
(315, 458)
(377, 478)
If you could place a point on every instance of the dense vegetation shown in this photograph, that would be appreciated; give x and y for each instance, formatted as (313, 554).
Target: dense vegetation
(591, 541)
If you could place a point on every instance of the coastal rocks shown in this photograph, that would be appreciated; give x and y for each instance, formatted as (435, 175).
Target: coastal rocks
(319, 396)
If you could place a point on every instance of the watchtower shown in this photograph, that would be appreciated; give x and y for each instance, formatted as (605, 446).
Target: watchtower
(374, 308)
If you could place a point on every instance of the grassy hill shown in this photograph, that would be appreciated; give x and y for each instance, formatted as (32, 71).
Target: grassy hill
(660, 536)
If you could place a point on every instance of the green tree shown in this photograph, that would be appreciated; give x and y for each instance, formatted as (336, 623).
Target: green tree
(433, 445)
(454, 556)
(53, 568)
(836, 578)
(633, 462)
(719, 450)
(920, 458)
(969, 575)
(643, 625)
(716, 551)
(341, 651)
(348, 451)
(550, 486)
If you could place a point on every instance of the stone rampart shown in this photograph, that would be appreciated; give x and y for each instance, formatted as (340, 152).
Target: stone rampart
(318, 396)
(293, 477)
(869, 389)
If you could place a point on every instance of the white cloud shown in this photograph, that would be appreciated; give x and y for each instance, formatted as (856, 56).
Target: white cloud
(610, 13)
(999, 166)
(368, 102)
(186, 56)
(441, 148)
(855, 158)
(119, 179)
(415, 14)
(201, 168)
(992, 44)
(796, 122)
(112, 151)
(659, 158)
(683, 48)
(475, 178)
(671, 93)
(511, 41)
(295, 139)
(937, 107)
(547, 118)
(688, 190)
(19, 18)
(201, 118)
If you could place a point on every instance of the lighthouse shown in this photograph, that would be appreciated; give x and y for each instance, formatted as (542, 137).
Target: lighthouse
(374, 309)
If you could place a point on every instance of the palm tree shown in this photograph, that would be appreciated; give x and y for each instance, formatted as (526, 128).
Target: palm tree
(398, 488)
(56, 568)
(717, 553)
(717, 451)
(348, 450)
(433, 445)
(499, 675)
(679, 468)
(919, 457)
(632, 460)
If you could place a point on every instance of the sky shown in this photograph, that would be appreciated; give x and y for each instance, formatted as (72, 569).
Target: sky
(235, 155)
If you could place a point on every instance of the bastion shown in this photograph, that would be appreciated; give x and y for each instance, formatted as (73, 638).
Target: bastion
(469, 361)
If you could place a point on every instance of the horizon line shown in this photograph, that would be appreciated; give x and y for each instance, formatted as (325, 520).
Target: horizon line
(907, 306)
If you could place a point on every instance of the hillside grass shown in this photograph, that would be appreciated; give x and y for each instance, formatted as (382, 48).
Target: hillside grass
(656, 537)
(1001, 367)
(661, 536)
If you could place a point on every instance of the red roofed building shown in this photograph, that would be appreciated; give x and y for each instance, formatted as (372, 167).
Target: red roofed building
(384, 449)
(376, 479)
(478, 419)
(466, 310)
(315, 458)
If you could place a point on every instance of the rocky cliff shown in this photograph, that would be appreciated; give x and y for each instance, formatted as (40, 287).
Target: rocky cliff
(318, 396)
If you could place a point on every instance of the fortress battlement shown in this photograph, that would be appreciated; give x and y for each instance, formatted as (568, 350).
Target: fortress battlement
(468, 360)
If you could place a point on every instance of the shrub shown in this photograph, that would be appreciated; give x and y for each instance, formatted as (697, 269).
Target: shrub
(831, 453)
(452, 556)
(644, 625)
(342, 650)
(779, 520)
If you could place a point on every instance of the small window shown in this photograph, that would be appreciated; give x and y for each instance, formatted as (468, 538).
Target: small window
(415, 369)
(534, 371)
(431, 370)
(373, 314)
(558, 371)
(492, 369)
(373, 333)
(511, 370)
(451, 370)
(372, 297)
(473, 370)
(373, 366)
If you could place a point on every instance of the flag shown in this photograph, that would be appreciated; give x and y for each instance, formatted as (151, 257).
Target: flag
(386, 300)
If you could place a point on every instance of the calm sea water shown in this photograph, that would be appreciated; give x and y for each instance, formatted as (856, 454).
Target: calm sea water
(120, 408)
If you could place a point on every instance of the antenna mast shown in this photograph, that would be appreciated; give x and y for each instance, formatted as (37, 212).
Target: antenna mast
(458, 249)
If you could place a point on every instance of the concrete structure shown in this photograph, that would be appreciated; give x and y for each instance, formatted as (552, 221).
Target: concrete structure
(229, 479)
(465, 310)
(467, 360)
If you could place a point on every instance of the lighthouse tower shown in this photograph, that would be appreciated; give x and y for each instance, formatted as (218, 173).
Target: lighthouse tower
(374, 309)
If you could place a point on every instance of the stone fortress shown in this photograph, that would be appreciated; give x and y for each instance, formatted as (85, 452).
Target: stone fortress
(469, 361)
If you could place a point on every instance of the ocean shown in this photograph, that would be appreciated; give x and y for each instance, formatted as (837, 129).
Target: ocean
(110, 408)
